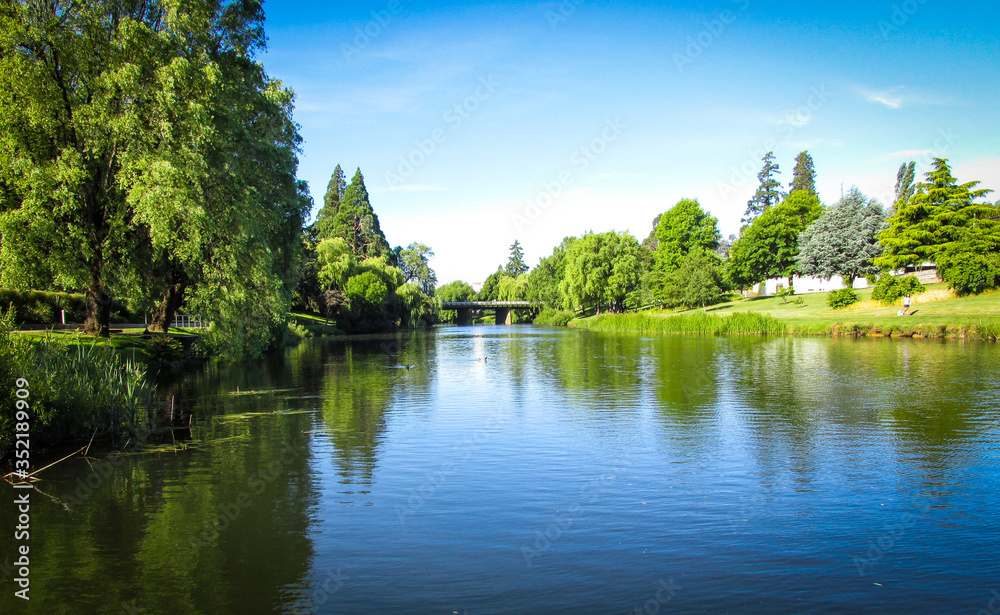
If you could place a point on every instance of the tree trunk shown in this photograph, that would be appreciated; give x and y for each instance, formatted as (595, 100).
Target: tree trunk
(98, 321)
(164, 312)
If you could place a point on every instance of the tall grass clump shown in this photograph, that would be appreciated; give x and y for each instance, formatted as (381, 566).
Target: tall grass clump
(738, 323)
(77, 391)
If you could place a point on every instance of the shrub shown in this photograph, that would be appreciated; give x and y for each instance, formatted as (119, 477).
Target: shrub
(785, 293)
(554, 317)
(890, 288)
(970, 273)
(842, 298)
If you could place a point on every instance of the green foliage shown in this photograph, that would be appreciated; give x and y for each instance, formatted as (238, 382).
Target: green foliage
(601, 270)
(43, 307)
(905, 188)
(890, 289)
(356, 222)
(365, 292)
(544, 280)
(161, 351)
(76, 391)
(415, 308)
(969, 272)
(335, 262)
(699, 323)
(683, 228)
(784, 292)
(515, 264)
(768, 247)
(842, 298)
(414, 262)
(942, 217)
(554, 317)
(491, 286)
(141, 148)
(804, 174)
(768, 193)
(335, 190)
(843, 240)
(699, 281)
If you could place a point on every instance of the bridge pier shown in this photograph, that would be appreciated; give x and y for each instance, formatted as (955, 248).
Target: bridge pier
(464, 316)
(504, 316)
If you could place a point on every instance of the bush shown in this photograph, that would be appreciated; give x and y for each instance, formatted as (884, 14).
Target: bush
(842, 298)
(554, 317)
(970, 273)
(43, 307)
(785, 293)
(890, 288)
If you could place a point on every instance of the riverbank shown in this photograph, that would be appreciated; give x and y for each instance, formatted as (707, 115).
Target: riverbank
(936, 313)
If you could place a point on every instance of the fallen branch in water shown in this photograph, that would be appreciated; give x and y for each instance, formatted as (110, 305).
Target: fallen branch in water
(28, 476)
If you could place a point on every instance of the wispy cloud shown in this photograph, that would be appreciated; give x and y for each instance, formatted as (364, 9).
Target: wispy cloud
(902, 96)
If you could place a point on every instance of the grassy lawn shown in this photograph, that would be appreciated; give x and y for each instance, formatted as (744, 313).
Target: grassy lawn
(935, 313)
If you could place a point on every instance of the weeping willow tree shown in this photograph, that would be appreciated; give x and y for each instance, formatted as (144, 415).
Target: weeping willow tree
(145, 154)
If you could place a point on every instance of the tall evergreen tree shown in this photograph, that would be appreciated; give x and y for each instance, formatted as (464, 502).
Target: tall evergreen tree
(905, 187)
(515, 264)
(357, 223)
(331, 203)
(768, 193)
(942, 217)
(804, 175)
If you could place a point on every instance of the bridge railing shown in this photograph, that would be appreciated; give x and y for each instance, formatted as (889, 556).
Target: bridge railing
(451, 305)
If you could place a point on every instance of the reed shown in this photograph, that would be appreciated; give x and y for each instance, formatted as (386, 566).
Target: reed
(739, 323)
(77, 389)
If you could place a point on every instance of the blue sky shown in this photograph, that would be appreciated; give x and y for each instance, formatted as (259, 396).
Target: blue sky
(476, 124)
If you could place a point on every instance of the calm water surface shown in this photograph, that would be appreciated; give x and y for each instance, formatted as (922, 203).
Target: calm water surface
(571, 472)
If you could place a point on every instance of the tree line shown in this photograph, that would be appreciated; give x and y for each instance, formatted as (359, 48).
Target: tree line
(685, 262)
(146, 155)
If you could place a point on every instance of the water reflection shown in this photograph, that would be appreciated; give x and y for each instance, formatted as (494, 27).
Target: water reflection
(750, 470)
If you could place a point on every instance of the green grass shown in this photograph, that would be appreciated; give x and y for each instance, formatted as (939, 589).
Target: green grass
(976, 317)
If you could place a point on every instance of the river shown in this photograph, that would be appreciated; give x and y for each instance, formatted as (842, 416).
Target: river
(569, 472)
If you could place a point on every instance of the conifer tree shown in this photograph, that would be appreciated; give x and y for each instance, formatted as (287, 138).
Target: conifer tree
(942, 217)
(768, 193)
(331, 203)
(357, 223)
(804, 175)
(904, 183)
(515, 264)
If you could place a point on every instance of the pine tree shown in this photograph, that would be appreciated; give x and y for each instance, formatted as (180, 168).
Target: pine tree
(515, 265)
(357, 223)
(804, 175)
(904, 183)
(769, 192)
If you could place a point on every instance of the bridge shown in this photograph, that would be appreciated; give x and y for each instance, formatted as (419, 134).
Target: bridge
(501, 308)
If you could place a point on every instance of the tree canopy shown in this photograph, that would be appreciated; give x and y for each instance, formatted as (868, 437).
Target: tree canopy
(601, 270)
(843, 240)
(768, 247)
(144, 152)
(941, 217)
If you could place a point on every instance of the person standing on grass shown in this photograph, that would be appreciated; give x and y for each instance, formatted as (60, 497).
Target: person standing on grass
(906, 305)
